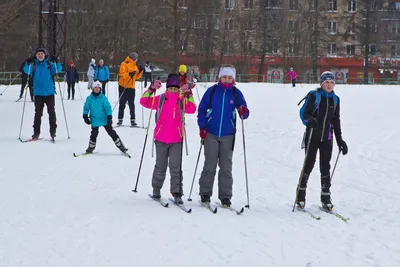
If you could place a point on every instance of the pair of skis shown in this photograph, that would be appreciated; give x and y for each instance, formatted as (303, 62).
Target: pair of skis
(214, 210)
(37, 139)
(332, 212)
(126, 154)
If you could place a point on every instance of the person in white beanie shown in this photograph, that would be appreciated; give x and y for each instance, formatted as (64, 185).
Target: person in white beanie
(90, 73)
(217, 122)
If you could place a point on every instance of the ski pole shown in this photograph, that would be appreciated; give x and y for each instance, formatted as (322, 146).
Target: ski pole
(302, 169)
(186, 144)
(107, 89)
(245, 167)
(145, 141)
(195, 169)
(79, 88)
(62, 101)
(11, 83)
(183, 139)
(119, 99)
(197, 93)
(334, 167)
(141, 93)
(23, 108)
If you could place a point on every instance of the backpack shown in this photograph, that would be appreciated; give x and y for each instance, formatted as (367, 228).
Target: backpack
(160, 106)
(316, 104)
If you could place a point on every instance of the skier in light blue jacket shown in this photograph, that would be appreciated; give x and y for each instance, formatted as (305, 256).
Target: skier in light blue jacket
(98, 113)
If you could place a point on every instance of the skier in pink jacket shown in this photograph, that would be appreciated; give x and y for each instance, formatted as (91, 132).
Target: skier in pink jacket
(293, 75)
(169, 131)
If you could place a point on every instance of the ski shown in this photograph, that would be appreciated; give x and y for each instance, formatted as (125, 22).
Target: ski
(181, 206)
(18, 99)
(128, 126)
(86, 153)
(159, 200)
(31, 140)
(238, 212)
(309, 213)
(209, 207)
(127, 154)
(334, 213)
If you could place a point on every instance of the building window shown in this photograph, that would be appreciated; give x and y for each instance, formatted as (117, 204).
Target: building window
(291, 48)
(353, 28)
(332, 27)
(229, 24)
(216, 22)
(250, 46)
(332, 5)
(272, 48)
(271, 3)
(373, 27)
(200, 22)
(292, 26)
(351, 50)
(373, 50)
(313, 4)
(293, 4)
(352, 6)
(248, 3)
(332, 50)
(376, 5)
(395, 27)
(229, 4)
(395, 50)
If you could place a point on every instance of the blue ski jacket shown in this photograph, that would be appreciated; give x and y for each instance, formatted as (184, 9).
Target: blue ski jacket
(102, 73)
(219, 119)
(98, 108)
(42, 73)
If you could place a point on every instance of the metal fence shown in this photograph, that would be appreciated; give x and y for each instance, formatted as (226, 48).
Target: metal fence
(7, 78)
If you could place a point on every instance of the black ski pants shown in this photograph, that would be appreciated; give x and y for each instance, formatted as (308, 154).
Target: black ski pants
(126, 95)
(109, 129)
(40, 101)
(147, 77)
(71, 86)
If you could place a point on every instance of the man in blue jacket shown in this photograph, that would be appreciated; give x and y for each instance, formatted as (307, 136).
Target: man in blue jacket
(102, 74)
(217, 123)
(42, 72)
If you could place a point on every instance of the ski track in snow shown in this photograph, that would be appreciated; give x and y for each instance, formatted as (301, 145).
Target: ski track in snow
(57, 210)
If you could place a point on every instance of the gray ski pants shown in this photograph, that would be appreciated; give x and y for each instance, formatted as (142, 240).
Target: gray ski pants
(217, 150)
(168, 155)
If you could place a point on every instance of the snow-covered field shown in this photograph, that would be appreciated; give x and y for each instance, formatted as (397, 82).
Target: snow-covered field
(57, 210)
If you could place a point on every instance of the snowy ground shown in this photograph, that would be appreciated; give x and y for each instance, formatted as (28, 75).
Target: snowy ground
(57, 210)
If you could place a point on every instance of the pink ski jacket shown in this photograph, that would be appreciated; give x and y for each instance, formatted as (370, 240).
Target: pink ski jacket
(169, 123)
(292, 74)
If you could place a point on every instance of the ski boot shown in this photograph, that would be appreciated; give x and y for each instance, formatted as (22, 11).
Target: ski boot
(35, 136)
(120, 145)
(119, 123)
(326, 202)
(325, 192)
(301, 194)
(68, 97)
(205, 199)
(91, 147)
(53, 135)
(226, 202)
(133, 123)
(177, 198)
(156, 193)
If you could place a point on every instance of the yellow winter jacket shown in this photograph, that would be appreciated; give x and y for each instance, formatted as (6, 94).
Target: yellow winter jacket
(124, 79)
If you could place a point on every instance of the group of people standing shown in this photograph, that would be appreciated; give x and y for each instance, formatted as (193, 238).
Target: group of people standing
(216, 121)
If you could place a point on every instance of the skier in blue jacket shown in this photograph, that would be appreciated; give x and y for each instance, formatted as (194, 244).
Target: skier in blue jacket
(97, 112)
(217, 123)
(102, 74)
(42, 73)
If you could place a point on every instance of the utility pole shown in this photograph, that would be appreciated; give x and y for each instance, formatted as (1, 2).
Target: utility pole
(53, 27)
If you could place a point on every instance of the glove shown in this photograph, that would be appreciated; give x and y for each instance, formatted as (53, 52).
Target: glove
(109, 120)
(77, 81)
(242, 111)
(203, 134)
(342, 146)
(194, 80)
(29, 60)
(156, 84)
(140, 67)
(107, 81)
(312, 123)
(54, 59)
(187, 92)
(132, 73)
(86, 119)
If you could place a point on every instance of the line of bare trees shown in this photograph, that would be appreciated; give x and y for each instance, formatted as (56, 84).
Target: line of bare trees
(205, 31)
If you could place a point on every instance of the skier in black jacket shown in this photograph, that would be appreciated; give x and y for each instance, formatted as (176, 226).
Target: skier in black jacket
(72, 78)
(322, 121)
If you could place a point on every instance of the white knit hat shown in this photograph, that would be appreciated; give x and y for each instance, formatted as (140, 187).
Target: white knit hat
(227, 71)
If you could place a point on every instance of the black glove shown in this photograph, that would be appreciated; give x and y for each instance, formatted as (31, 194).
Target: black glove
(109, 120)
(312, 123)
(77, 81)
(132, 73)
(30, 60)
(107, 81)
(54, 59)
(86, 119)
(342, 146)
(141, 68)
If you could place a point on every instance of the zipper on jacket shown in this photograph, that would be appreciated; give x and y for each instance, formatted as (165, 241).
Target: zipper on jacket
(326, 114)
(159, 129)
(222, 114)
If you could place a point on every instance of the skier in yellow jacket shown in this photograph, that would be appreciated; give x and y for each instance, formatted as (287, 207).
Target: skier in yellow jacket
(129, 72)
